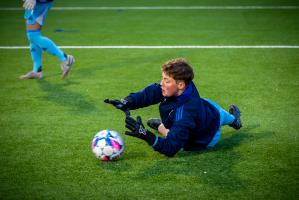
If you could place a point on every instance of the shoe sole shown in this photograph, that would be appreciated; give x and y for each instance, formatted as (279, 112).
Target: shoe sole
(150, 124)
(24, 77)
(235, 109)
(71, 61)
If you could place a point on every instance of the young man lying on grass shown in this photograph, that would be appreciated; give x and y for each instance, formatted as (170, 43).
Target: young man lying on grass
(187, 120)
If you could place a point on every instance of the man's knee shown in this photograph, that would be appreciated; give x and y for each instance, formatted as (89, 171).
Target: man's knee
(35, 26)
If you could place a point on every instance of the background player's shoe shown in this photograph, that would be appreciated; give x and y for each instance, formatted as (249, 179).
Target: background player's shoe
(235, 111)
(67, 65)
(154, 123)
(32, 75)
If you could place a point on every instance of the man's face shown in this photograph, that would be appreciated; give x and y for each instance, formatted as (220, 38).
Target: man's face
(169, 86)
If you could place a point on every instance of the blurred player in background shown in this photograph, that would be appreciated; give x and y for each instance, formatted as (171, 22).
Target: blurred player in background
(35, 14)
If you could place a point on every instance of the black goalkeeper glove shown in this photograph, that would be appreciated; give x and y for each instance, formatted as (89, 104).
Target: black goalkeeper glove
(123, 104)
(137, 130)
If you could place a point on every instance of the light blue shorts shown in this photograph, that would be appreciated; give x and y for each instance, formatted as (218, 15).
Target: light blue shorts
(37, 15)
(225, 119)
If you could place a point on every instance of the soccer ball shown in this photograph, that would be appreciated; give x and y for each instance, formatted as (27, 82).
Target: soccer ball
(107, 145)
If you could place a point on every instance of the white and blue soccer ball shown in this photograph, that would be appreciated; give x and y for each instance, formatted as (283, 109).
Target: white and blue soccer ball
(107, 145)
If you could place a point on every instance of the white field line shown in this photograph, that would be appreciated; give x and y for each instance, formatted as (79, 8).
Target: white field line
(167, 8)
(170, 47)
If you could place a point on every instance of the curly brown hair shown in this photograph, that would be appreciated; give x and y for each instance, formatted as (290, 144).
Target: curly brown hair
(179, 69)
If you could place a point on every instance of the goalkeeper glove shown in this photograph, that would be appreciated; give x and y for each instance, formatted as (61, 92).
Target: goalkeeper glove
(29, 4)
(137, 129)
(123, 104)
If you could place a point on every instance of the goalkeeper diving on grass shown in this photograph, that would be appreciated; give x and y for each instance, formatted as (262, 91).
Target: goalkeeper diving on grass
(35, 14)
(186, 121)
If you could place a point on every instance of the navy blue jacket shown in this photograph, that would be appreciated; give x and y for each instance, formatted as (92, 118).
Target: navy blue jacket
(191, 120)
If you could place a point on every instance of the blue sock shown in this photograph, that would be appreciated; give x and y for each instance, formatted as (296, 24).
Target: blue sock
(36, 54)
(225, 117)
(45, 44)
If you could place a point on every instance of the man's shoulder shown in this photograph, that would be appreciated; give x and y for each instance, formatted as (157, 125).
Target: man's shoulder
(153, 87)
(194, 100)
(193, 106)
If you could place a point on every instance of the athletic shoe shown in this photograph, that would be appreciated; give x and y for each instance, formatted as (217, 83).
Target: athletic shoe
(32, 75)
(235, 111)
(67, 65)
(154, 123)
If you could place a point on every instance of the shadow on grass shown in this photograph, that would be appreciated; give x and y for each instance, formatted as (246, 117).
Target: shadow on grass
(124, 164)
(214, 168)
(57, 94)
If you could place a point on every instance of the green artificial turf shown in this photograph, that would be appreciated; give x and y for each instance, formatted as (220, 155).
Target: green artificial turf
(46, 126)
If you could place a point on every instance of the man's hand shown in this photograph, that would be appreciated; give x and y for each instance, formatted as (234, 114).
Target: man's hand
(137, 129)
(29, 4)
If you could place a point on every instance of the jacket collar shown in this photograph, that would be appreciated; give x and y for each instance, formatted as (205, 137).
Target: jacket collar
(188, 92)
